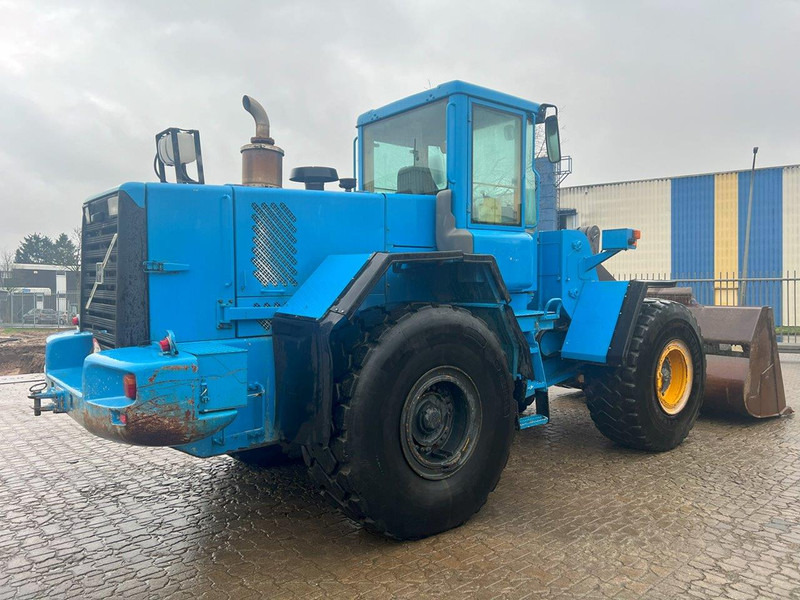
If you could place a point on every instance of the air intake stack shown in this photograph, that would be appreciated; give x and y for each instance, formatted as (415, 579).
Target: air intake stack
(262, 160)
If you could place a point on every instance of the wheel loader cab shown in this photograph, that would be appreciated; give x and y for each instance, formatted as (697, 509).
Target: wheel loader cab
(477, 144)
(403, 149)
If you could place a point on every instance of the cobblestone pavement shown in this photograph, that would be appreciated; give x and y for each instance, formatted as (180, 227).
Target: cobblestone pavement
(573, 516)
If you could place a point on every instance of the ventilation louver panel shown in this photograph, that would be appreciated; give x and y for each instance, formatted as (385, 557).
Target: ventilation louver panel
(274, 245)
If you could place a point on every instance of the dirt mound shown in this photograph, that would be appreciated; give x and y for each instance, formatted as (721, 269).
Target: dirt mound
(22, 350)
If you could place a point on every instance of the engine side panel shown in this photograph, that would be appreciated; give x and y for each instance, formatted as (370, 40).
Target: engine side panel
(283, 235)
(190, 259)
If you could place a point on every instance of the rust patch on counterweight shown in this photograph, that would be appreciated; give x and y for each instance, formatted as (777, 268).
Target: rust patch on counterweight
(173, 368)
(148, 429)
(165, 426)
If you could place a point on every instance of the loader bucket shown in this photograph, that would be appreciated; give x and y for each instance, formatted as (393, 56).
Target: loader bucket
(743, 371)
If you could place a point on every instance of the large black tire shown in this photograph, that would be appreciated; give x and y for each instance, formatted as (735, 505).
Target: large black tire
(624, 402)
(267, 456)
(378, 469)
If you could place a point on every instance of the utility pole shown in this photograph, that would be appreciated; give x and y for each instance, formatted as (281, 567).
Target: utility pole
(743, 287)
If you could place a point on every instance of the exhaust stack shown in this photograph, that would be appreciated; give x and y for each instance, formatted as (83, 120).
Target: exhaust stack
(262, 160)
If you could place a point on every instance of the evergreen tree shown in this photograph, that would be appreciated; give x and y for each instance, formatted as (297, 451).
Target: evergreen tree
(64, 251)
(38, 249)
(35, 249)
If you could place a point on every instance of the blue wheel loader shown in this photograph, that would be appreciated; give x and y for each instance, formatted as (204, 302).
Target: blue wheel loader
(395, 332)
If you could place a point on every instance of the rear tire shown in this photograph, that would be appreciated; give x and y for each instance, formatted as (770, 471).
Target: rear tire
(652, 401)
(423, 422)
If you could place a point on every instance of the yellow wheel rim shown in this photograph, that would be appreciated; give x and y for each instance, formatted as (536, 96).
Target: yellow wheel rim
(674, 377)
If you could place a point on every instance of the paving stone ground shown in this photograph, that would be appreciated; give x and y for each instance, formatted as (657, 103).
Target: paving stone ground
(573, 516)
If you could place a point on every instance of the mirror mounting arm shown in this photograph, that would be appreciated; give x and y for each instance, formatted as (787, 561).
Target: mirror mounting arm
(540, 116)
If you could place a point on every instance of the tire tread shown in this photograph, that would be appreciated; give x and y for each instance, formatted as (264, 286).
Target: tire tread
(328, 466)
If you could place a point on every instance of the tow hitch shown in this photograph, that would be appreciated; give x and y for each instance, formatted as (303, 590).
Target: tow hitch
(40, 391)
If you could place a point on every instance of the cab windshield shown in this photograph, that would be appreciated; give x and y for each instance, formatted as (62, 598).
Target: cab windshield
(407, 153)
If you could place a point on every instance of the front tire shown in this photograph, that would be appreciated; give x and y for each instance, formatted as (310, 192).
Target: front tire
(423, 423)
(652, 401)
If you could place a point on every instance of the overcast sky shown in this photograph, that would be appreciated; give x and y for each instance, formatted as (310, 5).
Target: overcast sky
(645, 89)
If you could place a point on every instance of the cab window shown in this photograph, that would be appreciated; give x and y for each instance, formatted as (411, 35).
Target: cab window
(496, 166)
(407, 153)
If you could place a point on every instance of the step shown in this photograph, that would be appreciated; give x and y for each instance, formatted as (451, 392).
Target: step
(532, 421)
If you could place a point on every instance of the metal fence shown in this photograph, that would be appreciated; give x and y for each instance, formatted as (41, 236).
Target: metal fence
(37, 309)
(729, 290)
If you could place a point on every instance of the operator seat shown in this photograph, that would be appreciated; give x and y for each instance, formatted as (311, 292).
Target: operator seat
(416, 180)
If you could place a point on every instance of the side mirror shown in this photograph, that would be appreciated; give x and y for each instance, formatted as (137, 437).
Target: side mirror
(552, 139)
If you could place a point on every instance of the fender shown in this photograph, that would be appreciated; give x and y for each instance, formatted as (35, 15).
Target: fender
(303, 328)
(603, 321)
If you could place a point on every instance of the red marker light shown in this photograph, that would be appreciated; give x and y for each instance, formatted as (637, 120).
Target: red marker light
(75, 320)
(164, 345)
(123, 418)
(129, 385)
(637, 234)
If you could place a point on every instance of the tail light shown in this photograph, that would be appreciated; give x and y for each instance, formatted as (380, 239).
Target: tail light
(129, 386)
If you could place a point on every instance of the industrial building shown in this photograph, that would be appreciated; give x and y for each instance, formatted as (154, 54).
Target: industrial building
(694, 229)
(28, 286)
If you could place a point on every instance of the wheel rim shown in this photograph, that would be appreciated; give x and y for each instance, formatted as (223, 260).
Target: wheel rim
(674, 375)
(440, 422)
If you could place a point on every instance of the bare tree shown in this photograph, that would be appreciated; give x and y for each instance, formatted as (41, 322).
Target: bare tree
(75, 264)
(6, 270)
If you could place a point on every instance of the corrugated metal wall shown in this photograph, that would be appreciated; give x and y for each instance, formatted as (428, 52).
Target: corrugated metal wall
(693, 232)
(694, 227)
(726, 224)
(791, 241)
(644, 205)
(765, 257)
(766, 228)
(791, 219)
(726, 237)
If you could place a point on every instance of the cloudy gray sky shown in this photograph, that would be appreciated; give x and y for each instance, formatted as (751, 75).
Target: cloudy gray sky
(645, 89)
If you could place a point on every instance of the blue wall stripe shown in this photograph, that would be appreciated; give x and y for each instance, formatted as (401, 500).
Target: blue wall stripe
(766, 235)
(766, 228)
(693, 232)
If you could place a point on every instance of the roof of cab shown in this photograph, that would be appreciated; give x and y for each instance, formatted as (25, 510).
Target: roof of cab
(442, 91)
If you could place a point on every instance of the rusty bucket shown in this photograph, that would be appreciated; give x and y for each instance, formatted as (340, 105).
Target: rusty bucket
(743, 371)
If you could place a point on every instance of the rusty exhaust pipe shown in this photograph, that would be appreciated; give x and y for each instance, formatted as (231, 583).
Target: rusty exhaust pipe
(254, 107)
(262, 160)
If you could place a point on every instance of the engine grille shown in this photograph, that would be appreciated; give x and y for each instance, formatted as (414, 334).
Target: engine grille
(100, 227)
(274, 244)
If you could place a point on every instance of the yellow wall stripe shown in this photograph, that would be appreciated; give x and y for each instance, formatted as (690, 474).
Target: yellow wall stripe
(726, 235)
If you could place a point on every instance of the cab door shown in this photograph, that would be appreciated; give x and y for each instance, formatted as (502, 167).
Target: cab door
(502, 191)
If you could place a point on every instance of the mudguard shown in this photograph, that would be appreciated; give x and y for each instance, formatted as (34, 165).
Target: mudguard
(302, 329)
(603, 321)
